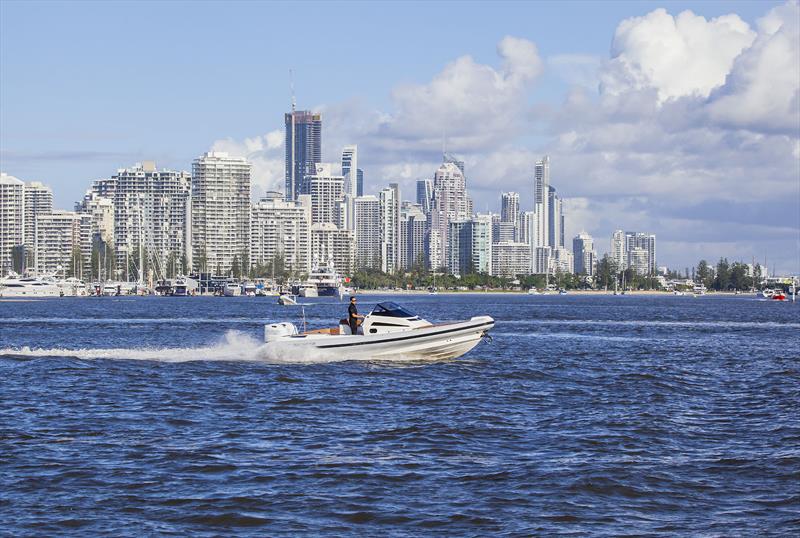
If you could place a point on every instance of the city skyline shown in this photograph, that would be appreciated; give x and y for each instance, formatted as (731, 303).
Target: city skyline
(671, 151)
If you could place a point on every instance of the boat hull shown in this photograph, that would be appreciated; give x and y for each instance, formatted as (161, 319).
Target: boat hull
(438, 342)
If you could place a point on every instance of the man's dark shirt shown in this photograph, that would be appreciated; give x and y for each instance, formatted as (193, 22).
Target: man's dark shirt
(351, 318)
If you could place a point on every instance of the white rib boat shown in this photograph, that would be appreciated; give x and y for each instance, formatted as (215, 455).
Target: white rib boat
(388, 332)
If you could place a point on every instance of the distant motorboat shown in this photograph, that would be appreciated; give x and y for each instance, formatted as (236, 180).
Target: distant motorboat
(287, 300)
(533, 291)
(249, 289)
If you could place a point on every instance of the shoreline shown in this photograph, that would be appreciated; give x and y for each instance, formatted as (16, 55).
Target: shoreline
(569, 292)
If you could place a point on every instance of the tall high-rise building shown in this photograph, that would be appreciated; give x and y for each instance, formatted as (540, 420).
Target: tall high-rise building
(618, 251)
(509, 211)
(151, 212)
(327, 193)
(541, 206)
(12, 221)
(330, 243)
(481, 248)
(556, 220)
(350, 170)
(360, 183)
(469, 248)
(413, 224)
(63, 243)
(368, 232)
(38, 201)
(584, 254)
(424, 194)
(635, 250)
(303, 149)
(450, 202)
(220, 216)
(390, 228)
(281, 230)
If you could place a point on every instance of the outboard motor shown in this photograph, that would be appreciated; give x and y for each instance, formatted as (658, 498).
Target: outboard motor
(274, 331)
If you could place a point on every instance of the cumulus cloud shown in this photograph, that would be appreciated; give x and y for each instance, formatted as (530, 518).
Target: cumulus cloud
(762, 91)
(676, 56)
(266, 155)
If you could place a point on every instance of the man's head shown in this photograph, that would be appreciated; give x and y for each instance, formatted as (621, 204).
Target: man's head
(352, 300)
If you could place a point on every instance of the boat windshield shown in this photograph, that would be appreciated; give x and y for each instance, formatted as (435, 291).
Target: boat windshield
(392, 310)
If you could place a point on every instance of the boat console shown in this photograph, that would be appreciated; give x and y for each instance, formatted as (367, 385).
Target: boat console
(391, 317)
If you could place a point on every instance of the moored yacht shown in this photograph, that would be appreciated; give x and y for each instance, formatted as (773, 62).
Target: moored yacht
(15, 286)
(388, 332)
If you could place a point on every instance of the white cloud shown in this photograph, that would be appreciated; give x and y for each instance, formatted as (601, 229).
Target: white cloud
(266, 155)
(678, 56)
(762, 91)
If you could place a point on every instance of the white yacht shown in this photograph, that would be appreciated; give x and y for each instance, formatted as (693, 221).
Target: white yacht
(15, 286)
(72, 287)
(231, 289)
(306, 289)
(388, 332)
(323, 281)
(249, 289)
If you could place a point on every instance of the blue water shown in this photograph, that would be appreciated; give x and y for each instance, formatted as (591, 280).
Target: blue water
(585, 416)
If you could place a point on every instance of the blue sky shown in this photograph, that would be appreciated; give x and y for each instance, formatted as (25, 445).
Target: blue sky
(87, 87)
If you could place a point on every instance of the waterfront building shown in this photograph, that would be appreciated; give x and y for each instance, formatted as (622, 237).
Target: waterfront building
(12, 223)
(562, 260)
(450, 202)
(584, 254)
(510, 214)
(511, 259)
(527, 235)
(330, 243)
(101, 210)
(303, 149)
(470, 246)
(280, 229)
(220, 214)
(368, 232)
(38, 201)
(542, 259)
(327, 191)
(424, 194)
(541, 205)
(634, 249)
(151, 211)
(413, 225)
(618, 252)
(350, 170)
(390, 228)
(555, 215)
(63, 243)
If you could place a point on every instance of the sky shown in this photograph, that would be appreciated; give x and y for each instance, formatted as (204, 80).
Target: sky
(675, 118)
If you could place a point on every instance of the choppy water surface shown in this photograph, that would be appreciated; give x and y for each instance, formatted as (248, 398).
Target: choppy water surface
(586, 415)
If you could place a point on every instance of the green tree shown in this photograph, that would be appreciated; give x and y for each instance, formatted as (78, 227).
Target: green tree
(606, 272)
(723, 277)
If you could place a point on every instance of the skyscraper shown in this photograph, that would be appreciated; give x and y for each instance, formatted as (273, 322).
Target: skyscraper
(413, 224)
(509, 207)
(541, 192)
(151, 211)
(390, 228)
(424, 194)
(555, 215)
(350, 170)
(618, 253)
(368, 232)
(360, 183)
(63, 242)
(450, 202)
(303, 148)
(584, 254)
(38, 201)
(12, 221)
(634, 249)
(281, 230)
(220, 228)
(327, 191)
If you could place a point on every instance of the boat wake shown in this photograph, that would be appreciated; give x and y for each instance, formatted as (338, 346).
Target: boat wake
(234, 346)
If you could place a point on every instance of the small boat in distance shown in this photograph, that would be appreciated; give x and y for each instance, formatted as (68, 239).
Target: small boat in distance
(388, 332)
(287, 300)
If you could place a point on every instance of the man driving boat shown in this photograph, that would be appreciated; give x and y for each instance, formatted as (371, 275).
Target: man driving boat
(353, 316)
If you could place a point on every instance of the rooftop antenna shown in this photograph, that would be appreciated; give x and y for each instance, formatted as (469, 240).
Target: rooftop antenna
(291, 88)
